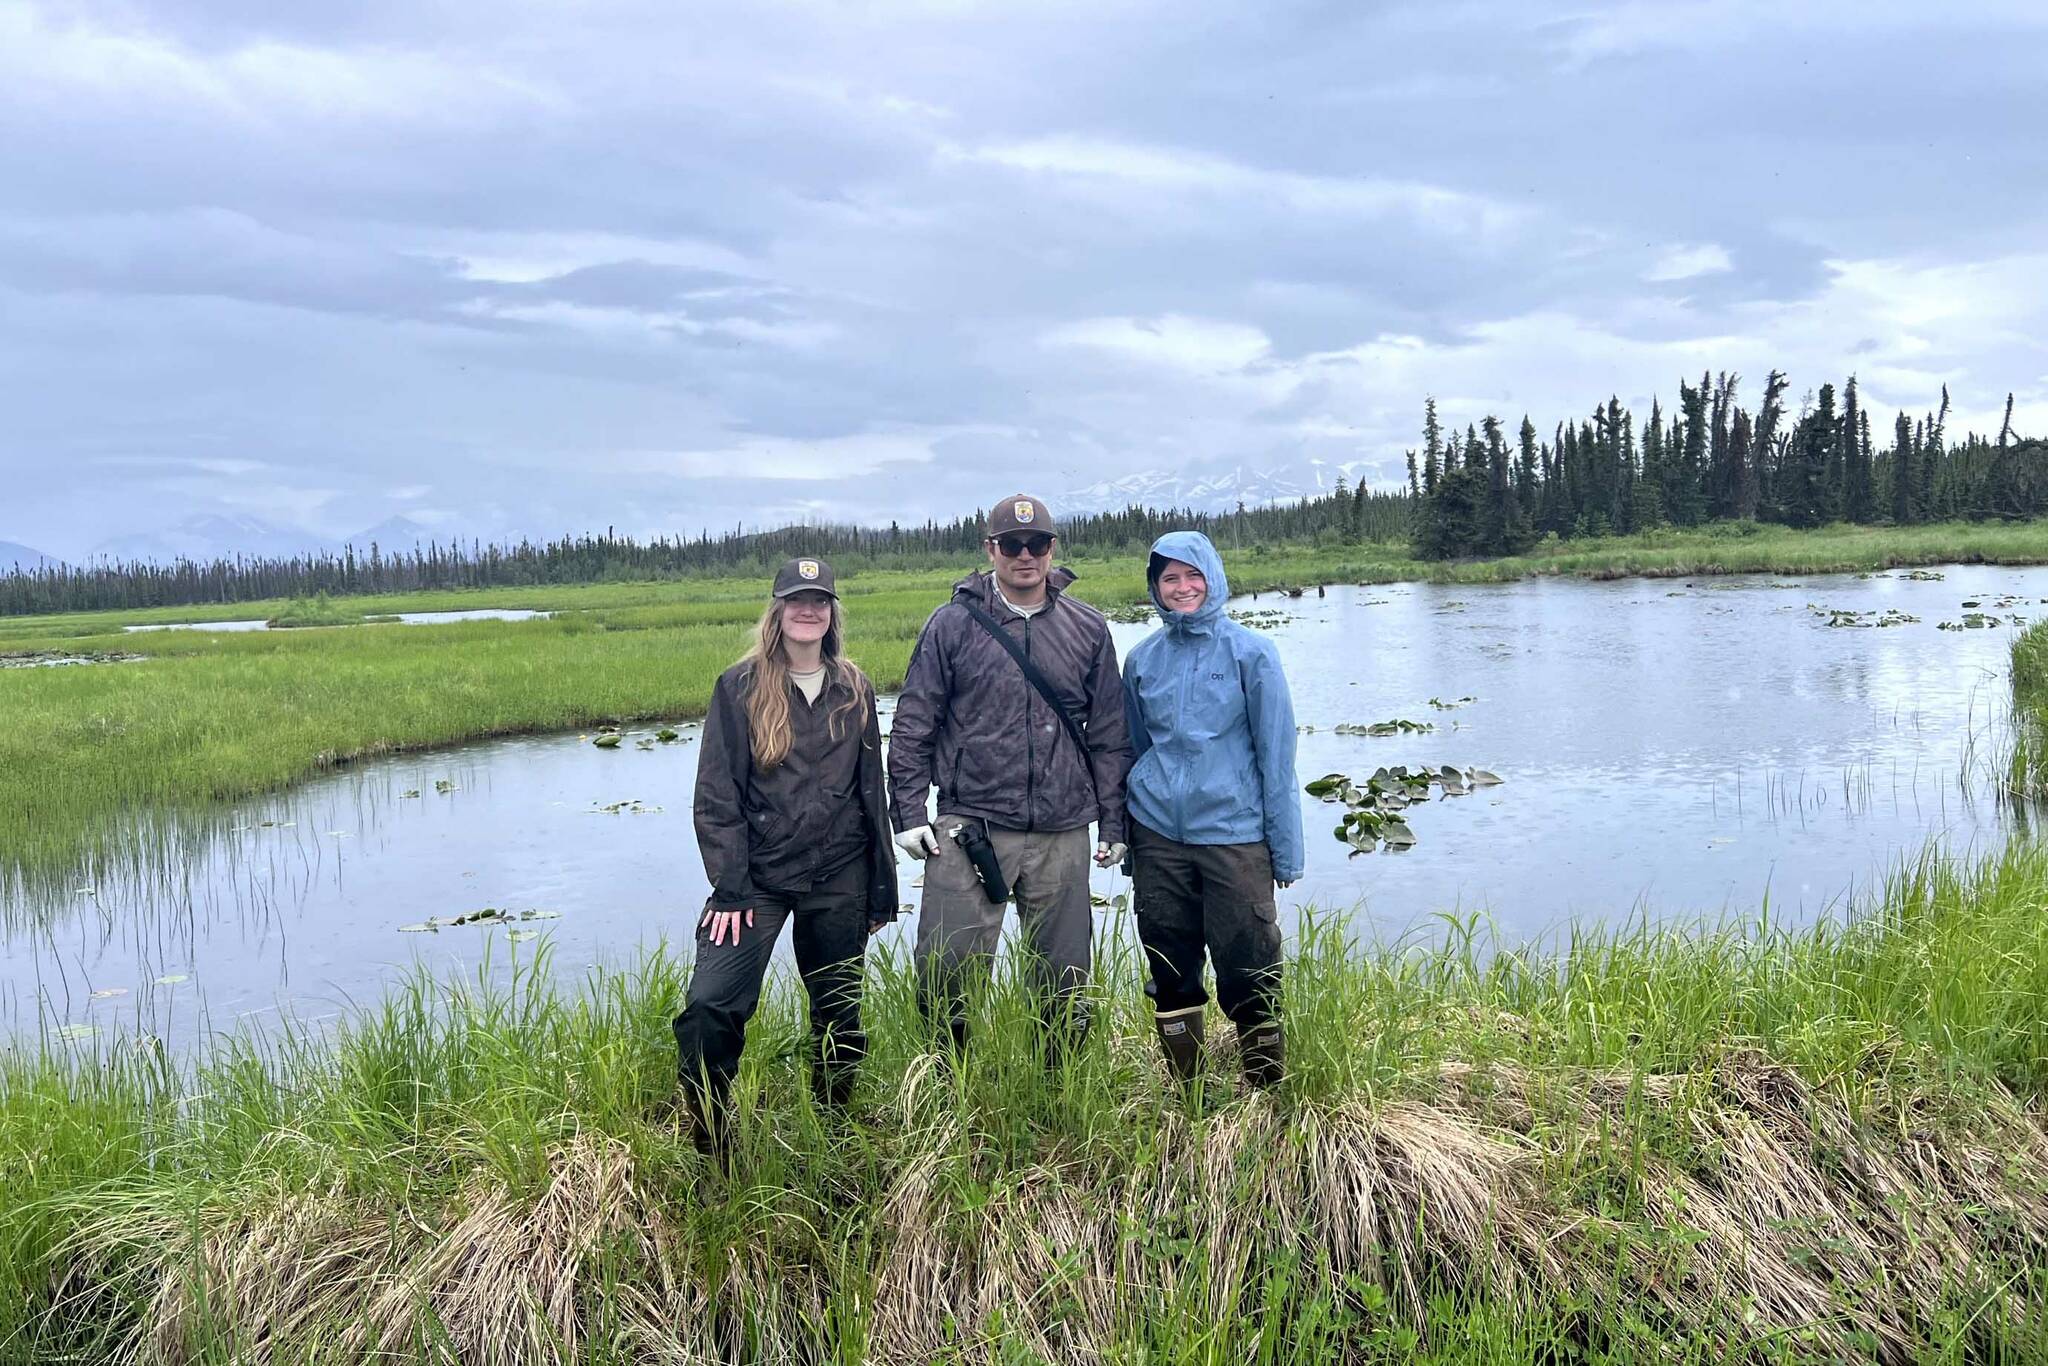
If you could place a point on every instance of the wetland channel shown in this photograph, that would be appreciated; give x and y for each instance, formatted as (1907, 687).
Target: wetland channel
(1676, 749)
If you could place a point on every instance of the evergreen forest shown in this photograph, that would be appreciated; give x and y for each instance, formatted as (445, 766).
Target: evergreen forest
(1711, 459)
(1340, 515)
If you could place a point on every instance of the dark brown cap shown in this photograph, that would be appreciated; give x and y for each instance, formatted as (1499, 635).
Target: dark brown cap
(804, 575)
(1018, 513)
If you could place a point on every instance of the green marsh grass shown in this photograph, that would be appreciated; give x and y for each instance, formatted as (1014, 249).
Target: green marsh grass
(2027, 769)
(1673, 1144)
(319, 610)
(94, 758)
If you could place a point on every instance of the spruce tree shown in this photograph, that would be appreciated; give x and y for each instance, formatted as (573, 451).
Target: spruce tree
(1526, 472)
(1721, 476)
(1763, 449)
(1740, 468)
(1684, 498)
(1854, 458)
(1902, 471)
(1803, 482)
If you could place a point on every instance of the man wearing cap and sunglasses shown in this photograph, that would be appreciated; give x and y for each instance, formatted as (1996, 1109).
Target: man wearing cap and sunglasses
(1013, 708)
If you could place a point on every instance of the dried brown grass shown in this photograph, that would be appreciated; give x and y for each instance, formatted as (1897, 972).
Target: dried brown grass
(1739, 1200)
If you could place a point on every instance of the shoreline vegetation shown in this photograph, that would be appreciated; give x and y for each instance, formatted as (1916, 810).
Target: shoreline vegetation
(92, 753)
(1669, 1144)
(1701, 1143)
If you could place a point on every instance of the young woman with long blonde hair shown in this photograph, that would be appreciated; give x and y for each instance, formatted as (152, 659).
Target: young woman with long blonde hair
(792, 825)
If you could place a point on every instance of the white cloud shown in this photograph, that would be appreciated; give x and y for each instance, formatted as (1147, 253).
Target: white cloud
(528, 257)
(1682, 262)
(1167, 170)
(1629, 26)
(1199, 346)
(257, 80)
(767, 457)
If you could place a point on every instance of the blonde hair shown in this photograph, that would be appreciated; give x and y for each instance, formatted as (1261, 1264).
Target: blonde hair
(768, 685)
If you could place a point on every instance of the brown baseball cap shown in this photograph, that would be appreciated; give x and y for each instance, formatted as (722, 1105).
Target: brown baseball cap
(805, 575)
(1021, 512)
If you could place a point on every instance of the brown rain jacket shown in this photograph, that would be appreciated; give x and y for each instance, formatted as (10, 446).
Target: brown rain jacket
(785, 831)
(971, 723)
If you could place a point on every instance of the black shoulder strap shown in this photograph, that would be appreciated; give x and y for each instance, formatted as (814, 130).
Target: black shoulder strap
(1031, 673)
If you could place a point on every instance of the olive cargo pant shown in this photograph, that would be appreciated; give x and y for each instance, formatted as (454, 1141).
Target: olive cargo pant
(958, 927)
(1215, 897)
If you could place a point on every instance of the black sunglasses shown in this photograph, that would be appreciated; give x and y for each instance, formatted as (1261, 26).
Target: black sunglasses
(1013, 546)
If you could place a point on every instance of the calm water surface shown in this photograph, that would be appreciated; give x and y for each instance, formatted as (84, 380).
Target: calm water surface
(402, 618)
(1669, 748)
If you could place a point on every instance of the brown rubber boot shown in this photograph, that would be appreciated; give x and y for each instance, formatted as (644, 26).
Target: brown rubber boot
(1180, 1038)
(709, 1124)
(1263, 1052)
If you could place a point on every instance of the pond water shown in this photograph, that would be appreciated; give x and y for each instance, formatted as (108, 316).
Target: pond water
(404, 618)
(63, 661)
(1667, 748)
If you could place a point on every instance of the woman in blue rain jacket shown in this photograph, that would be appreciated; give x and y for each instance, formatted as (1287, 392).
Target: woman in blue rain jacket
(1215, 810)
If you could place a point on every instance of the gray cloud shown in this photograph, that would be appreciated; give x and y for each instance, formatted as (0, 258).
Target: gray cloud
(499, 267)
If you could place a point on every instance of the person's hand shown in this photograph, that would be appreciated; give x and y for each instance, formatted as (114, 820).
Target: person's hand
(726, 923)
(920, 843)
(1283, 883)
(1109, 855)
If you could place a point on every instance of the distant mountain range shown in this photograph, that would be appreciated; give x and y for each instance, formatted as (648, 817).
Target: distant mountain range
(213, 536)
(17, 556)
(1212, 488)
(208, 536)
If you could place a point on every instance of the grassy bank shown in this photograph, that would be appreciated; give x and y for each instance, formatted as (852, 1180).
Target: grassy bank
(2027, 773)
(1803, 1146)
(90, 754)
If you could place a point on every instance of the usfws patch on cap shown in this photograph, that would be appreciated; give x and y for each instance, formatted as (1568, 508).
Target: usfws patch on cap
(1026, 512)
(807, 569)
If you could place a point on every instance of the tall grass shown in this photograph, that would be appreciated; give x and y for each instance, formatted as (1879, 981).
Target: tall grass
(2027, 769)
(1643, 1144)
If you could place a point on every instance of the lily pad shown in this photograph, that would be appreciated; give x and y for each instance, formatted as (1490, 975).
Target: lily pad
(609, 740)
(521, 936)
(109, 993)
(171, 979)
(78, 1031)
(1397, 726)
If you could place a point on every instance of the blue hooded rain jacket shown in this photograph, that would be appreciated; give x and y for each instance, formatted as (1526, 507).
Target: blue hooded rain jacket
(1212, 724)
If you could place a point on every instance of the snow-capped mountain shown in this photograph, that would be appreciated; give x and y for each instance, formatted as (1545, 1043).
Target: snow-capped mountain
(398, 535)
(1201, 488)
(209, 536)
(14, 555)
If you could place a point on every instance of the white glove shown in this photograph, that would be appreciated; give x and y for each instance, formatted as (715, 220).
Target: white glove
(920, 843)
(1109, 855)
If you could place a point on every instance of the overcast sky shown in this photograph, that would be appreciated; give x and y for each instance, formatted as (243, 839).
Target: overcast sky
(549, 267)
